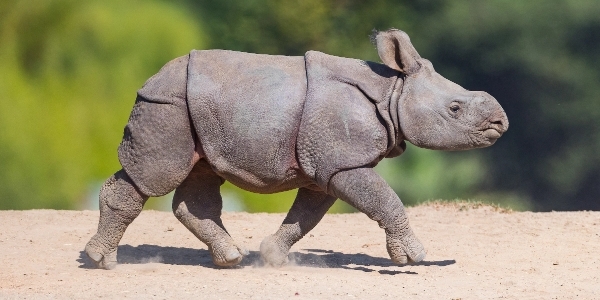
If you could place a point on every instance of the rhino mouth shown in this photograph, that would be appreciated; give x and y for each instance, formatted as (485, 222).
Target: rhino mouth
(495, 127)
(491, 134)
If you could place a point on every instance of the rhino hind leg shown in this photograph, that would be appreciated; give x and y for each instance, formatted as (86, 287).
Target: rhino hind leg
(158, 146)
(197, 204)
(308, 209)
(120, 203)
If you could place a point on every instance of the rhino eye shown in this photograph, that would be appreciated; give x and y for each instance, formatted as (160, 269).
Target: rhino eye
(455, 108)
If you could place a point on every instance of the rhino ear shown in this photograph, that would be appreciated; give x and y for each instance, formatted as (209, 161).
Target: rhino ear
(396, 51)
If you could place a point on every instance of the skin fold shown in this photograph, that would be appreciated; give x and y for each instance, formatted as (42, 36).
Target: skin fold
(267, 124)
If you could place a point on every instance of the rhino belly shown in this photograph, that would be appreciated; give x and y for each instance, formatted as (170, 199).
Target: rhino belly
(246, 109)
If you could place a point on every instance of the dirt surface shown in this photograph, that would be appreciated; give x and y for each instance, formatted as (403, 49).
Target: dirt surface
(473, 253)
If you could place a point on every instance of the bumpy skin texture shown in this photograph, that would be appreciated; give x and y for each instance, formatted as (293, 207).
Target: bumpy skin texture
(369, 193)
(197, 204)
(273, 123)
(341, 127)
(120, 203)
(158, 144)
(246, 109)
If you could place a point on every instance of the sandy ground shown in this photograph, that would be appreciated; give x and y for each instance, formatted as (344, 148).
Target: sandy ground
(473, 253)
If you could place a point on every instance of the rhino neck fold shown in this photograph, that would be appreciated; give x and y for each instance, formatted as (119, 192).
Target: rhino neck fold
(396, 135)
(350, 99)
(394, 104)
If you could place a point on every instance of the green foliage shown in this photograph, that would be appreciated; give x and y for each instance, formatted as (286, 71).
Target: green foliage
(70, 70)
(279, 202)
(420, 175)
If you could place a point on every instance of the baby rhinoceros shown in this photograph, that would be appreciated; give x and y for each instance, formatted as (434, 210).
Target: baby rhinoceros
(268, 124)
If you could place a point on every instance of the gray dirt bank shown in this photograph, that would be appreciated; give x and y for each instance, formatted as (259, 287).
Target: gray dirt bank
(473, 253)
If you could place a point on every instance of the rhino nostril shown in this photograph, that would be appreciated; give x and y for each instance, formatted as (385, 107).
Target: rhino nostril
(498, 124)
(498, 120)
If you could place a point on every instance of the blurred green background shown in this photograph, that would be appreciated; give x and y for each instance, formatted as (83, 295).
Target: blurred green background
(69, 71)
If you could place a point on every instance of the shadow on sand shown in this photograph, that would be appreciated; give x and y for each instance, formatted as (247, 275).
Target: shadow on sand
(315, 258)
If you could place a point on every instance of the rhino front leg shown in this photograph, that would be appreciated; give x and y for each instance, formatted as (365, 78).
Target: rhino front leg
(120, 203)
(308, 209)
(369, 193)
(197, 204)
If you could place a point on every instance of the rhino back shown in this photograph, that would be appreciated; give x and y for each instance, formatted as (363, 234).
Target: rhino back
(246, 109)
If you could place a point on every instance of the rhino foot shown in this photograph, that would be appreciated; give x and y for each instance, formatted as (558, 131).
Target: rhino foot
(273, 252)
(407, 250)
(227, 255)
(102, 259)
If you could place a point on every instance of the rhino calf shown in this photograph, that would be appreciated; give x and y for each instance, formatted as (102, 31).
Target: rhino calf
(267, 124)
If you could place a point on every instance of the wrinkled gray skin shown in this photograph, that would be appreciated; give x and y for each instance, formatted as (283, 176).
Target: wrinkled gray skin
(267, 124)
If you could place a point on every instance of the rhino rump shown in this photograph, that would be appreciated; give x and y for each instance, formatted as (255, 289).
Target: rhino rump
(158, 142)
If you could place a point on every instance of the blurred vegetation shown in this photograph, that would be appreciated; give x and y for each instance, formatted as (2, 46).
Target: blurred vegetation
(69, 71)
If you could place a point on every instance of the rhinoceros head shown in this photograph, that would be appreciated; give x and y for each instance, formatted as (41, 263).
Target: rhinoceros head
(434, 112)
